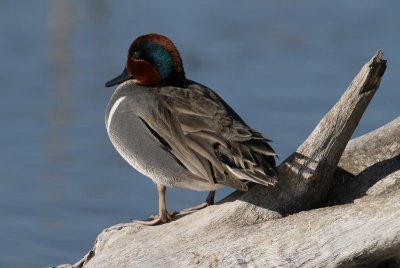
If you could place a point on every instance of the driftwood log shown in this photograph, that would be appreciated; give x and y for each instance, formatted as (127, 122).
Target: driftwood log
(337, 204)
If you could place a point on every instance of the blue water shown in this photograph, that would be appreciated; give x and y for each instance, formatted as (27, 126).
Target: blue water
(280, 64)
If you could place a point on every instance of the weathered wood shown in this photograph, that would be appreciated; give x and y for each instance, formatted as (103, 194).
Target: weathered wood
(305, 177)
(309, 170)
(255, 228)
(365, 162)
(353, 235)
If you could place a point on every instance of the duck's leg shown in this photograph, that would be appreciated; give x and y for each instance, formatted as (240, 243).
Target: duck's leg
(163, 215)
(210, 198)
(209, 201)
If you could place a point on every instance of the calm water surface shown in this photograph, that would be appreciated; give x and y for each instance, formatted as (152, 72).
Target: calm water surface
(280, 64)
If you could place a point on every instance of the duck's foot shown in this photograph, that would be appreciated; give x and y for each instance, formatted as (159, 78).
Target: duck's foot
(165, 216)
(158, 219)
(209, 201)
(195, 208)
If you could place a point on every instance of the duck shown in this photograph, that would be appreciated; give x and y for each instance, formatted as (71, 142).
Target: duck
(180, 133)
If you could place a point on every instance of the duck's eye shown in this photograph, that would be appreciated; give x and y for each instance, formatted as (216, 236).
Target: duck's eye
(136, 55)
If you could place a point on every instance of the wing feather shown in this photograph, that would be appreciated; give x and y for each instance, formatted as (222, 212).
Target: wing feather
(210, 139)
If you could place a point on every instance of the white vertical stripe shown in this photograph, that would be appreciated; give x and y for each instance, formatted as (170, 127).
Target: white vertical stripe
(112, 111)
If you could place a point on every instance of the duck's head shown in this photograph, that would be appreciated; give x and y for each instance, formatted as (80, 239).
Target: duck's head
(153, 61)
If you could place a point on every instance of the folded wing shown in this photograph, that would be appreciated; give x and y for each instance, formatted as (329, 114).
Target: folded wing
(209, 139)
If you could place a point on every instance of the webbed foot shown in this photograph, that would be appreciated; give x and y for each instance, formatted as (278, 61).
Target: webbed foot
(159, 219)
(209, 201)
